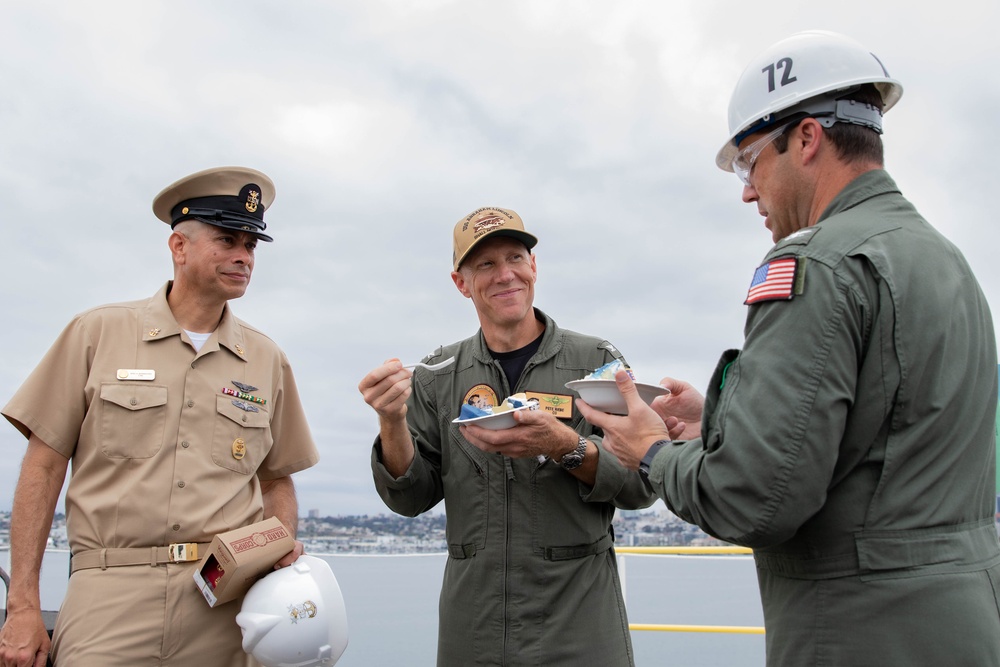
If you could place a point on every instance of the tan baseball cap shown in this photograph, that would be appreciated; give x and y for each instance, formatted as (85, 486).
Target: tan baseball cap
(484, 223)
(230, 197)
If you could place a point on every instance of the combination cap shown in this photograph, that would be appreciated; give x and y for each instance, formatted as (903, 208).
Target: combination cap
(230, 197)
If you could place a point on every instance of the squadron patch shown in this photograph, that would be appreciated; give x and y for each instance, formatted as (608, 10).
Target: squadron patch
(774, 281)
(481, 396)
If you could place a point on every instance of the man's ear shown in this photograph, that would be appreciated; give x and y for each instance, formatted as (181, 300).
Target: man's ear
(808, 137)
(459, 280)
(177, 243)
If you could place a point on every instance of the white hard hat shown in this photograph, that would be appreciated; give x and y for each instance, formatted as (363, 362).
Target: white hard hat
(295, 616)
(805, 74)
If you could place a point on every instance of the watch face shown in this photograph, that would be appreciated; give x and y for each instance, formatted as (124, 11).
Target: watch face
(575, 457)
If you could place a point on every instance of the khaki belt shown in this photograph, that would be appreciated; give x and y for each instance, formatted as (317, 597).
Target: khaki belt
(184, 552)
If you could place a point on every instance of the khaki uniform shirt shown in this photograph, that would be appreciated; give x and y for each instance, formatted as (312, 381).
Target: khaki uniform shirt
(160, 453)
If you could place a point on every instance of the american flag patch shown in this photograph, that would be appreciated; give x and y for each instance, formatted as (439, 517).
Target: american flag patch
(773, 281)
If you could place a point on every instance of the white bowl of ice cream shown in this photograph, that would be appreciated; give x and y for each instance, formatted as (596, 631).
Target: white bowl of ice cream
(494, 422)
(603, 395)
(496, 418)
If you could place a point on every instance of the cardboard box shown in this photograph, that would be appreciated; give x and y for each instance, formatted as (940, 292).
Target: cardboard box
(235, 560)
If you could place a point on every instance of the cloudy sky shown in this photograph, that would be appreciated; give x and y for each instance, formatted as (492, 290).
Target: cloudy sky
(383, 122)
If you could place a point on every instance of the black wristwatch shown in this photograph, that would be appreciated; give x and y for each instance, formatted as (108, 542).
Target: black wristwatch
(647, 460)
(574, 459)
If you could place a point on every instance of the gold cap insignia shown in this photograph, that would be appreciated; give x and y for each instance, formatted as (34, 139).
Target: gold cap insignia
(253, 198)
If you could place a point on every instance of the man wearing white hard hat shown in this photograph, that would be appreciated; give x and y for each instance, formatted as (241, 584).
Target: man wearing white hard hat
(182, 422)
(851, 442)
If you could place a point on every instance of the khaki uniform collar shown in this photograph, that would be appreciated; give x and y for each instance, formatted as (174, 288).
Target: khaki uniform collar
(158, 323)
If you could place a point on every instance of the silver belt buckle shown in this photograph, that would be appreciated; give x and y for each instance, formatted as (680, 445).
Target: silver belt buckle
(183, 552)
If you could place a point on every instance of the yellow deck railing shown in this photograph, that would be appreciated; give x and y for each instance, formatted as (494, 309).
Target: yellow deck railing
(685, 551)
(688, 551)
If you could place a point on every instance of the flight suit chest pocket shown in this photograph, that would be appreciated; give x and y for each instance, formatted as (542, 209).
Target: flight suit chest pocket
(133, 418)
(242, 438)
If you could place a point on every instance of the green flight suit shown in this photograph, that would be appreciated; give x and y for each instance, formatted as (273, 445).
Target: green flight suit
(531, 577)
(851, 443)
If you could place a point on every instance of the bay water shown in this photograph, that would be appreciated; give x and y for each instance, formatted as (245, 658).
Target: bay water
(392, 606)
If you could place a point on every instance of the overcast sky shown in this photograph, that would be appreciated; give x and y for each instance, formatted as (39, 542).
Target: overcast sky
(384, 122)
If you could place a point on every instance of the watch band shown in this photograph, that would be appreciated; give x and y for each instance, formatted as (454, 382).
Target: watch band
(647, 460)
(574, 459)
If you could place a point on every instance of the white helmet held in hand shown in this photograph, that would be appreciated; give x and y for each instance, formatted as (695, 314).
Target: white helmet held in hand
(805, 74)
(295, 616)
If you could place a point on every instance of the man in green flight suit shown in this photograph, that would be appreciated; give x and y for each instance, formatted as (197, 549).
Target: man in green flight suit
(531, 577)
(850, 442)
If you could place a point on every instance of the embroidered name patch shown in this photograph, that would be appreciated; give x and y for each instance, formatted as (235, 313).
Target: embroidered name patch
(556, 404)
(774, 281)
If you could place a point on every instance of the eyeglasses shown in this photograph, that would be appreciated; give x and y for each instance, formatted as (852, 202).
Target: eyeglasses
(743, 162)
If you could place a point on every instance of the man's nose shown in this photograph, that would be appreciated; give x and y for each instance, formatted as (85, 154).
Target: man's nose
(243, 255)
(506, 272)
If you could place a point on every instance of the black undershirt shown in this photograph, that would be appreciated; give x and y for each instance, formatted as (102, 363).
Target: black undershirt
(513, 362)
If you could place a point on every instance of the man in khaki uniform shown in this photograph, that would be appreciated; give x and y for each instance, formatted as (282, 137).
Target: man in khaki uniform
(182, 422)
